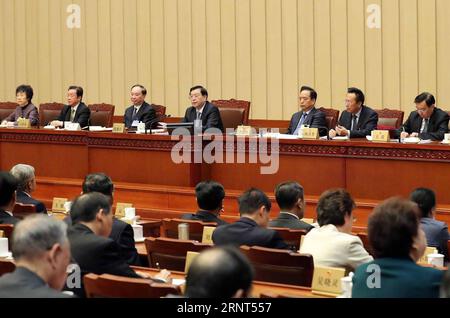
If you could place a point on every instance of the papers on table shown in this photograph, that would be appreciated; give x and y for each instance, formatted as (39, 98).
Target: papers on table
(341, 138)
(99, 128)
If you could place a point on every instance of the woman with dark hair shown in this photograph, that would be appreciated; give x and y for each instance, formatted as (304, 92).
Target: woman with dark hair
(397, 242)
(26, 109)
(435, 231)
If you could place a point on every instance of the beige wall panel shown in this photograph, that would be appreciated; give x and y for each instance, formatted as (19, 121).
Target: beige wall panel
(171, 57)
(9, 49)
(185, 81)
(130, 47)
(143, 51)
(409, 54)
(55, 24)
(306, 43)
(157, 51)
(117, 54)
(92, 44)
(427, 45)
(443, 49)
(68, 53)
(80, 58)
(105, 54)
(356, 23)
(243, 51)
(20, 41)
(259, 60)
(374, 62)
(228, 36)
(274, 60)
(339, 54)
(199, 42)
(213, 52)
(391, 53)
(289, 57)
(43, 52)
(32, 45)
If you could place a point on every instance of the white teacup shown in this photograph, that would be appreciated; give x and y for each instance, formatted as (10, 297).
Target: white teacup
(138, 232)
(436, 259)
(67, 206)
(3, 246)
(130, 213)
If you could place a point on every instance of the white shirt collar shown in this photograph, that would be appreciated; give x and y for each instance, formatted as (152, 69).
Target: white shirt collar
(76, 107)
(10, 213)
(358, 113)
(295, 216)
(201, 109)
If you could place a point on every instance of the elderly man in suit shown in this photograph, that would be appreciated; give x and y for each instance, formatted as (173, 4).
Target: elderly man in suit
(308, 114)
(202, 110)
(26, 185)
(358, 120)
(41, 253)
(333, 245)
(251, 228)
(290, 199)
(75, 111)
(8, 187)
(140, 111)
(427, 121)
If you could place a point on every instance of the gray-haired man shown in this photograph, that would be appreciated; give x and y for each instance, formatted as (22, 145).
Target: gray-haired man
(26, 185)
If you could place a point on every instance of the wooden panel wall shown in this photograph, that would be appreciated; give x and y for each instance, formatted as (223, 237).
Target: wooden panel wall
(258, 50)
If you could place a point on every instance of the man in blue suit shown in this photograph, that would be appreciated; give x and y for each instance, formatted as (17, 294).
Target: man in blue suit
(140, 111)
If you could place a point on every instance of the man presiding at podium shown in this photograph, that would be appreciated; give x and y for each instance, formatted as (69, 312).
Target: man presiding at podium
(308, 115)
(140, 111)
(76, 111)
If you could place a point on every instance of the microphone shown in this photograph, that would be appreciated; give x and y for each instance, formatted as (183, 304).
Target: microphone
(149, 124)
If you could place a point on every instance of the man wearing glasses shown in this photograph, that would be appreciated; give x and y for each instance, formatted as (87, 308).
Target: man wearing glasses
(427, 121)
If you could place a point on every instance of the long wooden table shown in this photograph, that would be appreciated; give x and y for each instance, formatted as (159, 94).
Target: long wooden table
(144, 173)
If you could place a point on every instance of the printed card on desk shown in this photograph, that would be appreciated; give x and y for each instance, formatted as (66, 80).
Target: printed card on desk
(429, 250)
(380, 135)
(120, 209)
(244, 131)
(118, 128)
(72, 126)
(207, 234)
(310, 133)
(327, 280)
(189, 258)
(58, 204)
(23, 123)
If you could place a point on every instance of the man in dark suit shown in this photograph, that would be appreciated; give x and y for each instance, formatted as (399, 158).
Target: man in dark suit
(140, 111)
(203, 110)
(122, 233)
(308, 115)
(427, 121)
(8, 187)
(41, 264)
(26, 185)
(289, 196)
(251, 228)
(358, 120)
(92, 250)
(76, 111)
(210, 197)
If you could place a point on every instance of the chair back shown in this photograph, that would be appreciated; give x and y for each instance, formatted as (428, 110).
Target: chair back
(169, 253)
(331, 116)
(49, 112)
(389, 119)
(280, 266)
(290, 236)
(111, 286)
(21, 211)
(233, 112)
(6, 108)
(159, 109)
(101, 115)
(6, 266)
(7, 230)
(170, 228)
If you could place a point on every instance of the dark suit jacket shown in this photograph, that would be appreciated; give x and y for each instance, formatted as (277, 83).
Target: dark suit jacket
(367, 122)
(203, 216)
(315, 119)
(122, 233)
(399, 278)
(247, 232)
(437, 234)
(82, 115)
(5, 218)
(23, 198)
(210, 116)
(145, 114)
(437, 125)
(23, 283)
(96, 254)
(290, 222)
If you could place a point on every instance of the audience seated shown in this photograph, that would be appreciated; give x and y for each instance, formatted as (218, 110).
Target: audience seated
(42, 253)
(8, 187)
(122, 233)
(333, 245)
(92, 249)
(289, 196)
(210, 197)
(219, 272)
(397, 242)
(436, 232)
(251, 228)
(26, 185)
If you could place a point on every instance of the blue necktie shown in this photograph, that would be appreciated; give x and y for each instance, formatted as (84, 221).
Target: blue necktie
(300, 123)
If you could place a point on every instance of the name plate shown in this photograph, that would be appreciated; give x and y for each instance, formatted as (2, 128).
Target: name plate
(189, 258)
(58, 205)
(118, 128)
(244, 130)
(207, 234)
(72, 126)
(23, 123)
(310, 133)
(428, 250)
(380, 135)
(120, 209)
(327, 280)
